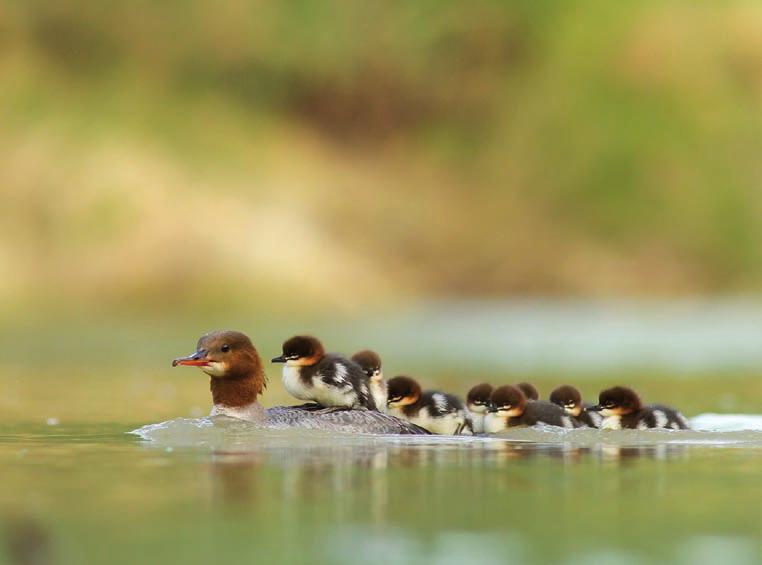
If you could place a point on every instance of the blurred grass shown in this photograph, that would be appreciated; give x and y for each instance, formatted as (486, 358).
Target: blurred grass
(155, 156)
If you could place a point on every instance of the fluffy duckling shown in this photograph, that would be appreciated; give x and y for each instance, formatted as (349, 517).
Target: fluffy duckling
(328, 379)
(570, 399)
(437, 412)
(530, 391)
(478, 402)
(510, 408)
(370, 362)
(622, 408)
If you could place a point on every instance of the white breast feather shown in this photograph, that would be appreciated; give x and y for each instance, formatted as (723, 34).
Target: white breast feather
(379, 393)
(293, 383)
(494, 424)
(612, 423)
(477, 420)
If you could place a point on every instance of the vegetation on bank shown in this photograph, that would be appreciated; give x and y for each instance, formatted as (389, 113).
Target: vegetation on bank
(228, 153)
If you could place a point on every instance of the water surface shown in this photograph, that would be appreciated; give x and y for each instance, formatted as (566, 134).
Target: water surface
(201, 490)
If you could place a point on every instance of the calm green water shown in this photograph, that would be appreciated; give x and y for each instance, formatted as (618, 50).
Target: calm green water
(199, 491)
(83, 490)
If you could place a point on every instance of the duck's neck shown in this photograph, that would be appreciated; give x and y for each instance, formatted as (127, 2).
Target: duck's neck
(234, 392)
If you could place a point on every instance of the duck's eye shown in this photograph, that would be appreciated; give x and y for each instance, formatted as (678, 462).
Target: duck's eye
(225, 348)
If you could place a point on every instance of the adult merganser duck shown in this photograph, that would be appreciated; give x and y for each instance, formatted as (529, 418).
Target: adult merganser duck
(237, 379)
(570, 399)
(510, 408)
(328, 379)
(438, 412)
(370, 362)
(622, 408)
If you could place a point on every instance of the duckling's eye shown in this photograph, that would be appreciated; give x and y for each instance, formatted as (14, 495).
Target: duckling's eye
(225, 348)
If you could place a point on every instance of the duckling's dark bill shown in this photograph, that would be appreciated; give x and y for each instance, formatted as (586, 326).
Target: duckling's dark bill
(278, 359)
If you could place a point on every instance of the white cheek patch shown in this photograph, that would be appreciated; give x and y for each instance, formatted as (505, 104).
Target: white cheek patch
(292, 363)
(215, 369)
(477, 408)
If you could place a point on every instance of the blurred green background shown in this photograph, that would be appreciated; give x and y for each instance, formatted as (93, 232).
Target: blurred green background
(171, 167)
(175, 153)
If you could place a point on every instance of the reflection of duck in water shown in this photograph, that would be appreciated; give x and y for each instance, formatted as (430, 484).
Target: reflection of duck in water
(237, 378)
(622, 408)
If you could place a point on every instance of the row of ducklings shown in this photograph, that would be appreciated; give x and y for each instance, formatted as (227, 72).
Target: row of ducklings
(333, 381)
(494, 410)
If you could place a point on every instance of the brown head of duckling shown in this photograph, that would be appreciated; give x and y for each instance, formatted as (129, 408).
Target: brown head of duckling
(568, 398)
(618, 401)
(508, 401)
(301, 351)
(530, 391)
(233, 364)
(369, 361)
(402, 391)
(478, 398)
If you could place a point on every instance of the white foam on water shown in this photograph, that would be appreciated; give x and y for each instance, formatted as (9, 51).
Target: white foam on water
(221, 433)
(727, 422)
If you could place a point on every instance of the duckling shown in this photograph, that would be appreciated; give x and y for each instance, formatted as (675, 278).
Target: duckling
(570, 399)
(530, 391)
(328, 379)
(510, 408)
(435, 411)
(477, 402)
(622, 408)
(370, 362)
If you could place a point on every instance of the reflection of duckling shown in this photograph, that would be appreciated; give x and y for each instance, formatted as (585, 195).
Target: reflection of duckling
(530, 391)
(438, 412)
(370, 362)
(510, 408)
(570, 399)
(622, 408)
(329, 380)
(477, 402)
